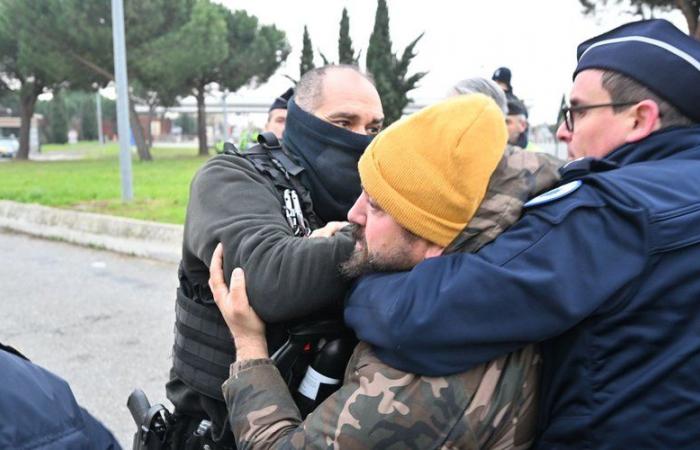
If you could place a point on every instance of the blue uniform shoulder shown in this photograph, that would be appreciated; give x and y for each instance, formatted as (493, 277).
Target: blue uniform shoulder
(553, 206)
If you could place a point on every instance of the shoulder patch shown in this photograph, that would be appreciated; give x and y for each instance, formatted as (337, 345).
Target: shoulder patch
(554, 194)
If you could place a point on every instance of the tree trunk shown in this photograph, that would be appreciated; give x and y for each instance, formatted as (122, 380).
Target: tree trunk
(201, 122)
(27, 101)
(151, 114)
(691, 12)
(141, 147)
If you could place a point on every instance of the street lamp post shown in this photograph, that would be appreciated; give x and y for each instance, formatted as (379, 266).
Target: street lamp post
(122, 98)
(98, 112)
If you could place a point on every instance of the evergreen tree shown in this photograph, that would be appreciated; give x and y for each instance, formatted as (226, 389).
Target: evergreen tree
(346, 54)
(187, 123)
(58, 120)
(88, 118)
(390, 73)
(249, 54)
(307, 54)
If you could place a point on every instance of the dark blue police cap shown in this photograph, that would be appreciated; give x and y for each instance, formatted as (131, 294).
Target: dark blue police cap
(654, 53)
(502, 74)
(281, 101)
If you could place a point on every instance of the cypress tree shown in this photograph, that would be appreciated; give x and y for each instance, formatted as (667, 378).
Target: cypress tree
(390, 73)
(346, 54)
(307, 54)
(58, 120)
(88, 118)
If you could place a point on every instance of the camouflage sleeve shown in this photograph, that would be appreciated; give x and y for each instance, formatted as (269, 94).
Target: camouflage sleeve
(262, 413)
(379, 407)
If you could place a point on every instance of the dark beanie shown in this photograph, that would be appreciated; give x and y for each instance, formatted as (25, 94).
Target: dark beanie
(654, 53)
(281, 101)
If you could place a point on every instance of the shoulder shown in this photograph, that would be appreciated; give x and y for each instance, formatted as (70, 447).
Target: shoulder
(228, 170)
(47, 403)
(557, 204)
(227, 161)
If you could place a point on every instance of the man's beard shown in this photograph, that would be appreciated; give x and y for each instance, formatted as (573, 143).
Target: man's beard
(361, 262)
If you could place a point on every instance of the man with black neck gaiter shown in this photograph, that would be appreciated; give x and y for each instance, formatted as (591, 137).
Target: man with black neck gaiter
(331, 119)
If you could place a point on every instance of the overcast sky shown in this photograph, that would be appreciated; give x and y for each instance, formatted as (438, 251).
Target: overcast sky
(536, 39)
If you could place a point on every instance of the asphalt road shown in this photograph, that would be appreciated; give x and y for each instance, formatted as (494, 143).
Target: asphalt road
(100, 320)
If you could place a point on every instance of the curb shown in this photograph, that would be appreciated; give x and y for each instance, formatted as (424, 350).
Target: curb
(141, 238)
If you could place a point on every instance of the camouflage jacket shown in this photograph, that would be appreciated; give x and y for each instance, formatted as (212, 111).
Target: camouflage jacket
(379, 407)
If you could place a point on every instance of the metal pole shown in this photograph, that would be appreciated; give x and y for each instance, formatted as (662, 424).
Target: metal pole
(225, 111)
(122, 98)
(98, 103)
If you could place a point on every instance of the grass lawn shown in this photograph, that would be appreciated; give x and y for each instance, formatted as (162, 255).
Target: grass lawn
(93, 183)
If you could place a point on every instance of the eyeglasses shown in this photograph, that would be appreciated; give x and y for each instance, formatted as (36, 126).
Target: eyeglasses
(566, 111)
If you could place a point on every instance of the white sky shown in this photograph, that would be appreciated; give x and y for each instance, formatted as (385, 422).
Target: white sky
(536, 39)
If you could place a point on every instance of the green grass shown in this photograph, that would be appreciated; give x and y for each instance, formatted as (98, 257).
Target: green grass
(94, 184)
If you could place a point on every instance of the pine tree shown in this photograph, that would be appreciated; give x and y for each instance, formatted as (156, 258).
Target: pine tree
(346, 54)
(307, 54)
(390, 73)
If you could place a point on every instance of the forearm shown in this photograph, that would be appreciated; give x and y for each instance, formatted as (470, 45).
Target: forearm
(256, 237)
(262, 413)
(301, 277)
(453, 312)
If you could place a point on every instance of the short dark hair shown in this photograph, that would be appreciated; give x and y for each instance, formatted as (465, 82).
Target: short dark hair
(309, 90)
(624, 89)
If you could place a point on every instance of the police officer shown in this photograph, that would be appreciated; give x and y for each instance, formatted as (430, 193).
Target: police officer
(334, 114)
(603, 270)
(277, 114)
(38, 410)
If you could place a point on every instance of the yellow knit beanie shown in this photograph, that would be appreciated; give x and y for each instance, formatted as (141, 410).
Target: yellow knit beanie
(430, 170)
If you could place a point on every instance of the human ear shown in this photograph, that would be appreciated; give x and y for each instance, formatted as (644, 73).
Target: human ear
(433, 250)
(645, 115)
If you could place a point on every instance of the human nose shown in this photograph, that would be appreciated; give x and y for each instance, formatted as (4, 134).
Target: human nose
(563, 133)
(356, 214)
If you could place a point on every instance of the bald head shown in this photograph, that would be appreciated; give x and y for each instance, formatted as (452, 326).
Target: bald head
(343, 96)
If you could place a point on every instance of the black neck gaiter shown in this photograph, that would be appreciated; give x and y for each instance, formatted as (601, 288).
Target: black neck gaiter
(329, 155)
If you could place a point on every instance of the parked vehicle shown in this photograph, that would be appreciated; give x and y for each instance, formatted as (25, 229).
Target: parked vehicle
(9, 146)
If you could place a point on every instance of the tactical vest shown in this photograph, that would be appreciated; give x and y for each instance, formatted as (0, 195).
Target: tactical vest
(203, 349)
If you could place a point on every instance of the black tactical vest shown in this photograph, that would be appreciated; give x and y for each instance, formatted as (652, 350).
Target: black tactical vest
(203, 349)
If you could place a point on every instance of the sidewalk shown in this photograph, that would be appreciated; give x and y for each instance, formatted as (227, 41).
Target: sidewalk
(134, 237)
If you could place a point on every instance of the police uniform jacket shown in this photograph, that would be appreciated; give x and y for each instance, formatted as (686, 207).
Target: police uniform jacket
(38, 411)
(603, 272)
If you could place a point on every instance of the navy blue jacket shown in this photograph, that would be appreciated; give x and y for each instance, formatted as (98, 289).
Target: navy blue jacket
(607, 278)
(38, 411)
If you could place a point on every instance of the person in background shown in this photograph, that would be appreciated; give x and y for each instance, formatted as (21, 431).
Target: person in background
(277, 114)
(476, 85)
(502, 77)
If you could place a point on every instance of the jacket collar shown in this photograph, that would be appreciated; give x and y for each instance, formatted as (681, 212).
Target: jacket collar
(678, 142)
(663, 144)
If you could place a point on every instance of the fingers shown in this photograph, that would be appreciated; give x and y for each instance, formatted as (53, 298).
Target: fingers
(216, 275)
(238, 292)
(328, 230)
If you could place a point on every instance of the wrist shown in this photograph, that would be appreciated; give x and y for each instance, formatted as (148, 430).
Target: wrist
(251, 349)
